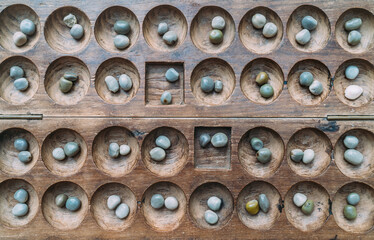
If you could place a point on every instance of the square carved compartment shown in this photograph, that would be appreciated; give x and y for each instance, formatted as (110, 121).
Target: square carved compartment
(211, 157)
(156, 83)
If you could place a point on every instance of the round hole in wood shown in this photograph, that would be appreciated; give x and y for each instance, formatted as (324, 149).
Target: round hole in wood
(248, 80)
(116, 67)
(319, 36)
(163, 219)
(106, 218)
(58, 139)
(56, 70)
(10, 19)
(175, 20)
(365, 208)
(57, 34)
(253, 39)
(261, 221)
(247, 156)
(122, 165)
(366, 30)
(105, 33)
(365, 146)
(365, 79)
(320, 197)
(302, 94)
(201, 25)
(310, 138)
(7, 202)
(176, 156)
(198, 204)
(9, 162)
(217, 69)
(60, 217)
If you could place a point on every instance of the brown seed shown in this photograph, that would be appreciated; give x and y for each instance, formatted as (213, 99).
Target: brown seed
(262, 78)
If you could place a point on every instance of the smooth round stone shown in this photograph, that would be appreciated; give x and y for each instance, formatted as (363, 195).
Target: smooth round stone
(296, 155)
(350, 141)
(353, 199)
(270, 30)
(113, 150)
(58, 154)
(70, 20)
(21, 84)
(77, 31)
(352, 92)
(353, 156)
(24, 156)
(204, 140)
(354, 37)
(162, 28)
(65, 85)
(218, 86)
(218, 22)
(20, 210)
(207, 84)
(353, 24)
(210, 217)
(258, 21)
(19, 39)
(157, 201)
(124, 149)
(27, 27)
(166, 98)
(171, 203)
(113, 201)
(171, 75)
(316, 88)
(252, 207)
(73, 204)
(214, 203)
(299, 199)
(309, 23)
(21, 195)
(264, 203)
(266, 90)
(16, 72)
(163, 142)
(122, 27)
(170, 37)
(303, 37)
(350, 212)
(121, 42)
(122, 211)
(71, 149)
(262, 78)
(216, 36)
(71, 76)
(256, 144)
(112, 84)
(263, 155)
(306, 79)
(308, 156)
(308, 207)
(157, 154)
(125, 82)
(219, 140)
(351, 72)
(21, 144)
(61, 199)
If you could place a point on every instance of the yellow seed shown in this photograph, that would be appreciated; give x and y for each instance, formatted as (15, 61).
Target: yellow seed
(262, 78)
(252, 207)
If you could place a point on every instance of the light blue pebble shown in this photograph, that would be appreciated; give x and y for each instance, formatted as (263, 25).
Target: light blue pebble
(211, 217)
(21, 84)
(303, 37)
(353, 199)
(219, 140)
(166, 98)
(306, 79)
(350, 142)
(20, 210)
(351, 72)
(353, 24)
(27, 27)
(121, 41)
(71, 149)
(157, 201)
(24, 156)
(21, 144)
(214, 203)
(218, 86)
(16, 72)
(73, 204)
(122, 211)
(163, 142)
(354, 37)
(309, 23)
(353, 156)
(21, 195)
(113, 150)
(171, 75)
(77, 31)
(122, 27)
(316, 88)
(207, 84)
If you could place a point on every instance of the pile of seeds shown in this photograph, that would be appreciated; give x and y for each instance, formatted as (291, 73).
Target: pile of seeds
(214, 204)
(70, 203)
(22, 146)
(171, 76)
(20, 83)
(301, 200)
(169, 37)
(115, 150)
(352, 92)
(21, 208)
(263, 155)
(306, 79)
(216, 35)
(113, 84)
(27, 28)
(76, 30)
(218, 140)
(122, 28)
(158, 201)
(351, 155)
(158, 153)
(309, 24)
(354, 36)
(70, 150)
(306, 156)
(269, 29)
(254, 206)
(115, 203)
(67, 81)
(207, 85)
(266, 90)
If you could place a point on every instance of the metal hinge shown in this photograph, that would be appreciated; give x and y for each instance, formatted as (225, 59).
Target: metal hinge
(21, 116)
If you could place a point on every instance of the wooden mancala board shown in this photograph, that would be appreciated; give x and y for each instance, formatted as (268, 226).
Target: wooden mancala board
(93, 117)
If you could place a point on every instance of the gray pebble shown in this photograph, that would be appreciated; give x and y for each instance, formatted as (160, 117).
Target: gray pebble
(71, 149)
(16, 72)
(219, 140)
(354, 37)
(263, 155)
(308, 156)
(20, 210)
(351, 72)
(122, 27)
(122, 211)
(65, 85)
(21, 195)
(157, 154)
(113, 201)
(24, 156)
(113, 150)
(218, 86)
(61, 199)
(19, 39)
(309, 23)
(27, 27)
(21, 144)
(299, 199)
(256, 143)
(157, 201)
(350, 141)
(121, 42)
(353, 24)
(306, 79)
(353, 156)
(21, 84)
(70, 20)
(73, 204)
(353, 199)
(214, 203)
(207, 84)
(166, 98)
(171, 75)
(303, 37)
(218, 22)
(270, 30)
(204, 140)
(264, 203)
(112, 84)
(211, 217)
(170, 38)
(58, 154)
(77, 31)
(171, 203)
(163, 142)
(124, 149)
(297, 155)
(258, 21)
(162, 28)
(316, 88)
(71, 76)
(125, 82)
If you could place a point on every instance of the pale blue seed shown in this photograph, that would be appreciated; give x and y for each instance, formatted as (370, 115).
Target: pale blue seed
(162, 28)
(27, 27)
(308, 22)
(204, 140)
(219, 140)
(166, 98)
(218, 86)
(21, 195)
(264, 203)
(350, 141)
(353, 24)
(171, 75)
(306, 79)
(170, 38)
(207, 84)
(24, 156)
(121, 42)
(20, 210)
(157, 201)
(58, 154)
(211, 217)
(157, 154)
(73, 204)
(316, 88)
(16, 72)
(71, 149)
(21, 84)
(303, 37)
(21, 144)
(353, 156)
(77, 31)
(122, 27)
(163, 142)
(351, 72)
(354, 37)
(122, 211)
(353, 198)
(214, 203)
(113, 150)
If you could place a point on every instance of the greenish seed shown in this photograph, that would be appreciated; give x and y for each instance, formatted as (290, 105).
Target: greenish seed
(77, 31)
(166, 98)
(266, 90)
(21, 144)
(264, 203)
(297, 155)
(353, 199)
(218, 86)
(316, 88)
(218, 22)
(303, 37)
(124, 149)
(19, 39)
(171, 75)
(350, 141)
(21, 195)
(61, 199)
(122, 211)
(204, 140)
(262, 78)
(73, 204)
(163, 142)
(214, 203)
(270, 30)
(71, 76)
(308, 156)
(353, 24)
(58, 154)
(207, 84)
(263, 155)
(171, 203)
(354, 37)
(113, 201)
(113, 150)
(219, 140)
(70, 20)
(351, 72)
(258, 21)
(20, 210)
(112, 84)
(122, 27)
(71, 149)
(121, 42)
(27, 27)
(308, 207)
(210, 217)
(25, 156)
(157, 154)
(216, 36)
(170, 37)
(256, 144)
(162, 28)
(65, 85)
(306, 79)
(308, 22)
(16, 72)
(353, 156)
(125, 82)
(21, 84)
(157, 201)
(350, 212)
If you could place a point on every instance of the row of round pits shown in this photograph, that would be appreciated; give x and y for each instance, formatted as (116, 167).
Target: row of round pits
(164, 219)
